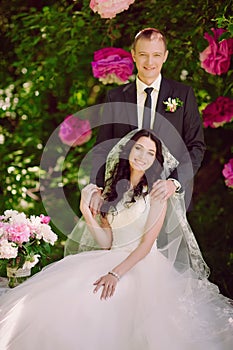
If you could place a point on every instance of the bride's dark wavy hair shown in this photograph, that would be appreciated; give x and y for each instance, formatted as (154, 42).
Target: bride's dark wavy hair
(118, 182)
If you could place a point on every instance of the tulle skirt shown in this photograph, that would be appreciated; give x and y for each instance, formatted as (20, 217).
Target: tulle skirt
(154, 307)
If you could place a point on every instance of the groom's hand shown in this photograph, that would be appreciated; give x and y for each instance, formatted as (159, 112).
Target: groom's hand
(163, 189)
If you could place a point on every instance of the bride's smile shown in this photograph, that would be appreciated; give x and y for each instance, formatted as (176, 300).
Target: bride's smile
(142, 155)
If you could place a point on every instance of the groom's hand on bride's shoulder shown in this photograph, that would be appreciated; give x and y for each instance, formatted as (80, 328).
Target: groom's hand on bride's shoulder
(163, 189)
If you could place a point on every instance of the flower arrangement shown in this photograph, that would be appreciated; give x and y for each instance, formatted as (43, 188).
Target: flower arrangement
(216, 58)
(172, 104)
(110, 8)
(112, 65)
(23, 240)
(74, 131)
(218, 112)
(228, 173)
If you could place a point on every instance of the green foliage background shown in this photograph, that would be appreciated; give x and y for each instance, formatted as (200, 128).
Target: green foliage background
(45, 54)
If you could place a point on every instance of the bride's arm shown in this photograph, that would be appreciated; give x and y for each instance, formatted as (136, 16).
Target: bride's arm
(100, 231)
(152, 228)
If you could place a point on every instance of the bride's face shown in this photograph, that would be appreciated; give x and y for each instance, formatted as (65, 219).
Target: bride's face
(142, 154)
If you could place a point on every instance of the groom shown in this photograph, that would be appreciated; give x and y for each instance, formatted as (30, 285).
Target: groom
(178, 126)
(173, 115)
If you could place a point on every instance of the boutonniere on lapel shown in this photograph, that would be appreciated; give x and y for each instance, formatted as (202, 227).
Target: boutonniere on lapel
(172, 104)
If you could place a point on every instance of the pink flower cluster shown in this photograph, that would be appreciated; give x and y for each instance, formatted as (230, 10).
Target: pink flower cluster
(218, 112)
(228, 173)
(112, 65)
(74, 131)
(110, 8)
(215, 59)
(18, 233)
(16, 230)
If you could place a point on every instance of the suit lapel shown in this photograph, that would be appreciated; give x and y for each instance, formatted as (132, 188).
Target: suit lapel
(164, 92)
(130, 97)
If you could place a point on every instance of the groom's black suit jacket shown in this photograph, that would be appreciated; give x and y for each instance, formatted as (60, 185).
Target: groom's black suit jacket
(176, 129)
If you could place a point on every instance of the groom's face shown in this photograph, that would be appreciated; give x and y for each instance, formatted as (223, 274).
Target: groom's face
(149, 56)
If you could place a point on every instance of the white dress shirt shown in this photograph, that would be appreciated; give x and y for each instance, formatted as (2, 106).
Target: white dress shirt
(141, 98)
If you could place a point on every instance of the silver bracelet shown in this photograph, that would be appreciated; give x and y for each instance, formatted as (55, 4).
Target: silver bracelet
(114, 274)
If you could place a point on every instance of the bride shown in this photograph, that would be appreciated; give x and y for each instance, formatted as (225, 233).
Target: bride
(127, 294)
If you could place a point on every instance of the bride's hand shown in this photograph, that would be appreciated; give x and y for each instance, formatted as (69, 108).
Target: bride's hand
(96, 202)
(86, 196)
(108, 282)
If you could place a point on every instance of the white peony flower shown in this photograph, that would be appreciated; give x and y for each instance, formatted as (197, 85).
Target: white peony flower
(32, 262)
(19, 218)
(35, 225)
(48, 235)
(10, 213)
(7, 250)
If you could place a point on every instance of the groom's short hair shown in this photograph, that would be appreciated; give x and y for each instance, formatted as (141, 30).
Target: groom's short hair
(150, 34)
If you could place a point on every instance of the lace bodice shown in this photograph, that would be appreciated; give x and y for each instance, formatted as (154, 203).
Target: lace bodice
(128, 222)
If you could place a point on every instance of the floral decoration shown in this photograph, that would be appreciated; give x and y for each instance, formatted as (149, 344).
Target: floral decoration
(112, 65)
(172, 104)
(74, 131)
(218, 112)
(110, 8)
(23, 240)
(216, 58)
(228, 173)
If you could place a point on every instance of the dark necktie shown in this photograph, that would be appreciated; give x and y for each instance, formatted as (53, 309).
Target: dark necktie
(147, 109)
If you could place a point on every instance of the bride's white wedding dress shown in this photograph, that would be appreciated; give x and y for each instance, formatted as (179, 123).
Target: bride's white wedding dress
(154, 307)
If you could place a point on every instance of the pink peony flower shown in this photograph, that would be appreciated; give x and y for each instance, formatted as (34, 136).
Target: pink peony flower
(228, 173)
(110, 8)
(74, 131)
(218, 112)
(215, 59)
(112, 65)
(18, 233)
(44, 219)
